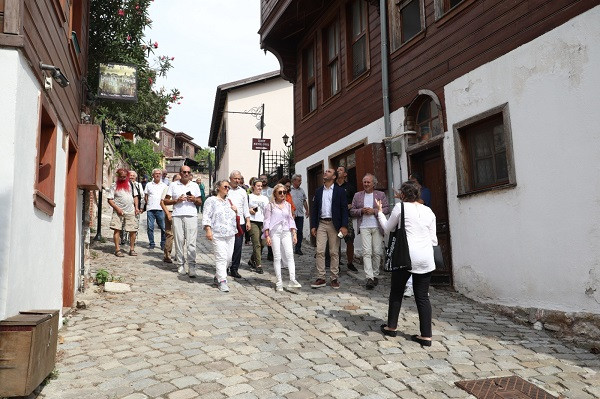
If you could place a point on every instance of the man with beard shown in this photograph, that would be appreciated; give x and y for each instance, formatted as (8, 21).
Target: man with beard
(124, 204)
(184, 195)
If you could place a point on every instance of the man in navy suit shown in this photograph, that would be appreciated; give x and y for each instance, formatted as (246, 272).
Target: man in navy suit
(329, 217)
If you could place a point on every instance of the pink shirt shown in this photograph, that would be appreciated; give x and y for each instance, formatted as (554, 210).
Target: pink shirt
(274, 216)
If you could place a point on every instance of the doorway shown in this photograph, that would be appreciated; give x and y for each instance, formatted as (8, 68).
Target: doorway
(429, 163)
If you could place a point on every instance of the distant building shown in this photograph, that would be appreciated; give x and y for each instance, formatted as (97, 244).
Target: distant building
(232, 131)
(178, 149)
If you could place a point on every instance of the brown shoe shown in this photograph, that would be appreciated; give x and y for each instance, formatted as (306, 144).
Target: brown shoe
(119, 254)
(132, 253)
(167, 260)
(335, 284)
(319, 283)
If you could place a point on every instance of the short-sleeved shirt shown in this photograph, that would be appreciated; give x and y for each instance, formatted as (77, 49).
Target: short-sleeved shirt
(123, 198)
(298, 196)
(154, 192)
(185, 208)
(259, 202)
(220, 217)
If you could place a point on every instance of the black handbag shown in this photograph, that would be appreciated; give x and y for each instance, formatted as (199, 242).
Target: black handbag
(438, 258)
(397, 256)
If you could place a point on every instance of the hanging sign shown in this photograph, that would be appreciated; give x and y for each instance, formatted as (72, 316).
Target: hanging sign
(261, 144)
(118, 82)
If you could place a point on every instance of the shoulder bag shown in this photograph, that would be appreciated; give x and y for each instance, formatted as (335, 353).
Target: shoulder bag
(397, 256)
(240, 232)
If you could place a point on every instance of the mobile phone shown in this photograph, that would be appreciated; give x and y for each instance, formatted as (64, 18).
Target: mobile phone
(255, 209)
(188, 193)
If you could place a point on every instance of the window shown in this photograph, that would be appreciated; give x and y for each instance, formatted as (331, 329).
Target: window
(308, 76)
(484, 152)
(406, 21)
(331, 57)
(357, 38)
(443, 6)
(427, 120)
(46, 162)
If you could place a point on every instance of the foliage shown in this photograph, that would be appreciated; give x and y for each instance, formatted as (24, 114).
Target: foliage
(141, 156)
(117, 35)
(103, 276)
(202, 158)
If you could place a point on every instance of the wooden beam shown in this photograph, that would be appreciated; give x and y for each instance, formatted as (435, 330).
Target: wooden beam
(11, 40)
(13, 17)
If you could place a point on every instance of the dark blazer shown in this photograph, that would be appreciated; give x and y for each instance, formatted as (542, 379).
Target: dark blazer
(339, 208)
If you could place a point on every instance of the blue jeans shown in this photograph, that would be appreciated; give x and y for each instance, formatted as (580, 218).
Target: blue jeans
(299, 228)
(159, 216)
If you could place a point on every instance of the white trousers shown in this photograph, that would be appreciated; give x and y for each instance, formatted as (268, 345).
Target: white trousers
(372, 250)
(223, 251)
(283, 248)
(185, 233)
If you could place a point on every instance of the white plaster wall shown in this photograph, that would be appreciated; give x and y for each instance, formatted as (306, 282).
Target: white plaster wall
(31, 271)
(538, 244)
(277, 95)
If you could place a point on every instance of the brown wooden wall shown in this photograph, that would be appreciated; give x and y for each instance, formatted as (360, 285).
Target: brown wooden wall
(44, 28)
(472, 34)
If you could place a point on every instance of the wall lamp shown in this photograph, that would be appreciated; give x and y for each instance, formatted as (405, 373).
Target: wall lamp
(56, 73)
(286, 139)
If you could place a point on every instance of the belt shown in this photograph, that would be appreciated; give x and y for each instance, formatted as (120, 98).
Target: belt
(326, 219)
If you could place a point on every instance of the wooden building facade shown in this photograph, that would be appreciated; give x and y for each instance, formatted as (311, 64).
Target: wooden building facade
(463, 90)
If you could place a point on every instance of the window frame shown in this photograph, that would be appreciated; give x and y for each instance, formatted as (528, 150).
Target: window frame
(395, 24)
(44, 184)
(307, 82)
(351, 40)
(463, 150)
(326, 62)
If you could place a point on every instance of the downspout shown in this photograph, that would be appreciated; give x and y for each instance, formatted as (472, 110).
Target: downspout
(386, 101)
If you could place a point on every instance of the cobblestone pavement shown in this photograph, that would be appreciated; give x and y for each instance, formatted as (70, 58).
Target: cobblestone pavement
(176, 337)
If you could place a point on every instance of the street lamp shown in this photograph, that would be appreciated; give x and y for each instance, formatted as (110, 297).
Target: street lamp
(286, 139)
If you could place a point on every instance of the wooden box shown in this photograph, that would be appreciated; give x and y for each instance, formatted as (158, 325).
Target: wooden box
(91, 157)
(371, 159)
(27, 351)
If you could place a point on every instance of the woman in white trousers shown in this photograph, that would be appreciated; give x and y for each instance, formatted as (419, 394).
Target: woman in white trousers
(219, 224)
(279, 230)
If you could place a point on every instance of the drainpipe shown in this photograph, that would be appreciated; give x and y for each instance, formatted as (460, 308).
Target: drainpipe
(386, 101)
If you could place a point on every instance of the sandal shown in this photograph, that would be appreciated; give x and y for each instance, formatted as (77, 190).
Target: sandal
(119, 254)
(132, 253)
(389, 333)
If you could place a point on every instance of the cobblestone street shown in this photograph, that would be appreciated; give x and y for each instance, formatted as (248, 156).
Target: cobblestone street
(176, 337)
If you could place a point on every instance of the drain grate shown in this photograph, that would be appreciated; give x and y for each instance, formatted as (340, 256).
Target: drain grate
(512, 387)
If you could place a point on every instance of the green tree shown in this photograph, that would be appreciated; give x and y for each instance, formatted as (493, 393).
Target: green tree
(117, 36)
(202, 158)
(141, 156)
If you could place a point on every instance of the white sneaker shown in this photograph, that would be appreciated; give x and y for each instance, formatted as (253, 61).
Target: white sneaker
(223, 287)
(181, 270)
(294, 284)
(192, 272)
(408, 291)
(279, 286)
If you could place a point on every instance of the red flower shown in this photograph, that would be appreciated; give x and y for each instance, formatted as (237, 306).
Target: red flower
(155, 44)
(137, 6)
(150, 80)
(172, 58)
(178, 102)
(121, 12)
(128, 38)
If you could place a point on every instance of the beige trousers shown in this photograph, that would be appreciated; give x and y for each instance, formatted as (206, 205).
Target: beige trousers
(327, 232)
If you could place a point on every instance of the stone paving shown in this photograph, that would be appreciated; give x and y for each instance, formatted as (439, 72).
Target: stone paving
(175, 337)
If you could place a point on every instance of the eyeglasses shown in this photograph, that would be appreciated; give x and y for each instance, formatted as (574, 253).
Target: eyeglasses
(226, 187)
(281, 192)
(185, 172)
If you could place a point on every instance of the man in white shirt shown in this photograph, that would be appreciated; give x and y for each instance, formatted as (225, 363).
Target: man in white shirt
(153, 194)
(239, 197)
(184, 195)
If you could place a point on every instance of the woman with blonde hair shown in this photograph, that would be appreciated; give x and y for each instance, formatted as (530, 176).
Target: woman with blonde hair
(279, 230)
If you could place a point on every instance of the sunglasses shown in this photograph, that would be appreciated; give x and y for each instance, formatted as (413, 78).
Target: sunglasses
(226, 187)
(186, 172)
(281, 192)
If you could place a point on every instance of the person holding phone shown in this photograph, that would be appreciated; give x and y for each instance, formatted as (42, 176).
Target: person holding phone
(184, 195)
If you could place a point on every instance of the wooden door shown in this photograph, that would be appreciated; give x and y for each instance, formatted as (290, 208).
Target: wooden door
(315, 180)
(430, 164)
(70, 228)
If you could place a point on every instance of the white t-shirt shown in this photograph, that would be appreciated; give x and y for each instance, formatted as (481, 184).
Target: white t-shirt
(260, 202)
(185, 208)
(154, 192)
(368, 221)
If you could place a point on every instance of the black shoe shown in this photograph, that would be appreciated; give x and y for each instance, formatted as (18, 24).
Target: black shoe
(389, 333)
(251, 264)
(259, 270)
(370, 284)
(375, 281)
(235, 273)
(299, 252)
(352, 267)
(423, 342)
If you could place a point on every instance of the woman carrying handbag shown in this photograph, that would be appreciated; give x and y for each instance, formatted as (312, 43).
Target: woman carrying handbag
(419, 222)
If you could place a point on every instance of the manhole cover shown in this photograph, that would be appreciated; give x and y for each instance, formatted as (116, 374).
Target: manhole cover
(512, 387)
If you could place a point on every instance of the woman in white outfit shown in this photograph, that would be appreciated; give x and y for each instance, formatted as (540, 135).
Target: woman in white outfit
(219, 224)
(280, 231)
(421, 235)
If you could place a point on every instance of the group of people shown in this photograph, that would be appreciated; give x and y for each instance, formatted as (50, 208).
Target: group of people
(274, 217)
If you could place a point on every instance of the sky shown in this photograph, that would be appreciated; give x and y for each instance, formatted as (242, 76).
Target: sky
(213, 42)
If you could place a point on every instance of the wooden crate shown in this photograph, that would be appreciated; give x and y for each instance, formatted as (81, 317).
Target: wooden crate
(27, 350)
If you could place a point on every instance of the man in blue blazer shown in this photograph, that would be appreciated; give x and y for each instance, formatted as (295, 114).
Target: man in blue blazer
(328, 218)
